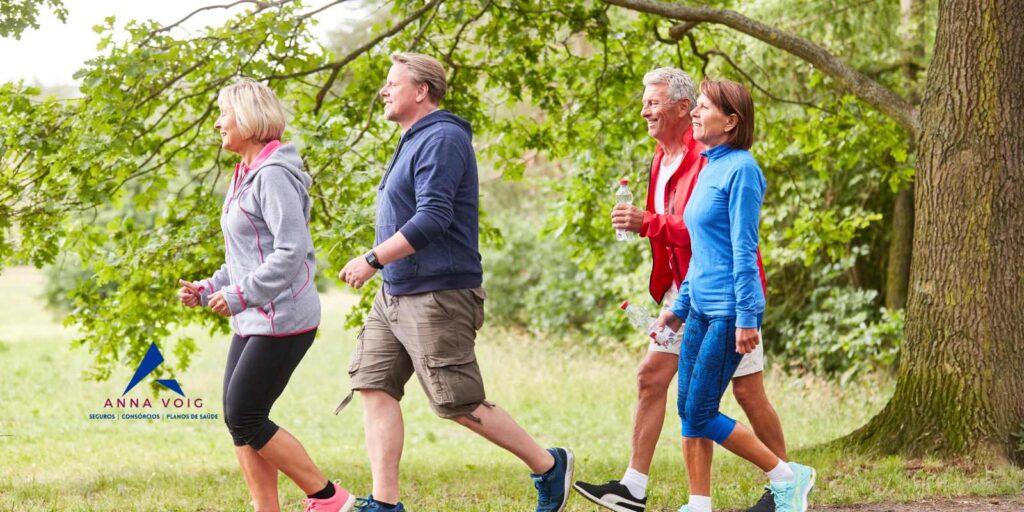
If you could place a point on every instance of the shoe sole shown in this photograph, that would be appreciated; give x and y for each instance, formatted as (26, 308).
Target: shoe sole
(810, 484)
(597, 501)
(349, 504)
(569, 462)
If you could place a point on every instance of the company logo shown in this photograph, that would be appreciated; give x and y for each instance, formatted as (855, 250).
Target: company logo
(150, 362)
(142, 408)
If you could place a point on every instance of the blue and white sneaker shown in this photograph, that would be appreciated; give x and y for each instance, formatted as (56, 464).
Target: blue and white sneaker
(368, 505)
(553, 486)
(792, 497)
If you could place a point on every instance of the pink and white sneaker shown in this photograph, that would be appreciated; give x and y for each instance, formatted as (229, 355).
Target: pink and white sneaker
(342, 501)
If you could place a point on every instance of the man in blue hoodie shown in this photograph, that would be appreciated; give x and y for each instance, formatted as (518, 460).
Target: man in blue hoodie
(424, 319)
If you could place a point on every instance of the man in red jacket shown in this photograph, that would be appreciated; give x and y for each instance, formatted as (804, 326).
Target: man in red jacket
(668, 97)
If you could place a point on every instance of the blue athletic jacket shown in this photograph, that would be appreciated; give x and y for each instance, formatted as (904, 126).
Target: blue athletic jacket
(430, 193)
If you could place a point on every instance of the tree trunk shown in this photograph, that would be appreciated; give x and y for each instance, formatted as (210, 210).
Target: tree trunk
(960, 388)
(901, 238)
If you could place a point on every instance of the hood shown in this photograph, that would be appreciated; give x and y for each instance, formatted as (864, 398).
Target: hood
(440, 116)
(284, 156)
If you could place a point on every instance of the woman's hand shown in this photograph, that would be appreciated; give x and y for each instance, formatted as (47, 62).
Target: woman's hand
(219, 304)
(188, 294)
(747, 339)
(670, 320)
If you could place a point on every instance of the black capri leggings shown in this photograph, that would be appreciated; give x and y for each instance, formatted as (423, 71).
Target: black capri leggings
(257, 372)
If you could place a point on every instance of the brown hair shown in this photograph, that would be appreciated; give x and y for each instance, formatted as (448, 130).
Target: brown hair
(425, 70)
(732, 98)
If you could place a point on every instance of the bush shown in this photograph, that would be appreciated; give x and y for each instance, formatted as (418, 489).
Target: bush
(844, 335)
(534, 282)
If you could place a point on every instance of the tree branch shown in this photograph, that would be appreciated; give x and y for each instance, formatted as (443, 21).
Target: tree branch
(260, 5)
(866, 89)
(679, 30)
(312, 13)
(705, 57)
(338, 64)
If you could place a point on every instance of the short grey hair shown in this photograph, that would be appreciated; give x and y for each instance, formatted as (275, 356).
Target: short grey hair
(425, 70)
(680, 85)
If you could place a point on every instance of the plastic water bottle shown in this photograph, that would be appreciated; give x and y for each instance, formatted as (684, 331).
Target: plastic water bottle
(624, 196)
(642, 319)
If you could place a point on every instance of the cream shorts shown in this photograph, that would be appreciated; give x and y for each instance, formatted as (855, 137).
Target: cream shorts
(750, 364)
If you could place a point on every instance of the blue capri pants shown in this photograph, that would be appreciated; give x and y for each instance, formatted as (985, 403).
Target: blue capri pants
(707, 362)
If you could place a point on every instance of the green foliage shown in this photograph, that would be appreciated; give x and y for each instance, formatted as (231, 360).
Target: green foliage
(535, 284)
(1018, 436)
(129, 177)
(845, 334)
(16, 16)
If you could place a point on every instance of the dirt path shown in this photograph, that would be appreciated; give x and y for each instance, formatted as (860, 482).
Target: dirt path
(992, 504)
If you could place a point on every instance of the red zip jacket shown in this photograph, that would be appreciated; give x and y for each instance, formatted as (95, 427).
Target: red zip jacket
(670, 240)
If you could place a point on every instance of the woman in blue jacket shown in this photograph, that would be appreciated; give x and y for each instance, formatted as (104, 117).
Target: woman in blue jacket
(721, 299)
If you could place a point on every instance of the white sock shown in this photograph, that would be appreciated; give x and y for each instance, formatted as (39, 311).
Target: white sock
(782, 474)
(636, 482)
(699, 504)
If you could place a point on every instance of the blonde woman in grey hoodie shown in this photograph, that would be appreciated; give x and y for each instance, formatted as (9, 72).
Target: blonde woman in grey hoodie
(266, 288)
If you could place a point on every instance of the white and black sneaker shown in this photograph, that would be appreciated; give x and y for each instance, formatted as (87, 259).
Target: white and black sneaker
(612, 496)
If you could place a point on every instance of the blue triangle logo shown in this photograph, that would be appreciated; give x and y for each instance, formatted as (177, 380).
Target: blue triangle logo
(150, 362)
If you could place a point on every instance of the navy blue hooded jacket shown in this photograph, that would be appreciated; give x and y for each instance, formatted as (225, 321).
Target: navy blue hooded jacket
(430, 192)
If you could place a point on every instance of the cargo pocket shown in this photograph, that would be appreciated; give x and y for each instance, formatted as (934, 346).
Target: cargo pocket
(479, 296)
(454, 380)
(357, 356)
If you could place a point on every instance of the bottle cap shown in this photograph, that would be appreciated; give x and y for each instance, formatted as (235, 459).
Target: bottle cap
(623, 181)
(624, 305)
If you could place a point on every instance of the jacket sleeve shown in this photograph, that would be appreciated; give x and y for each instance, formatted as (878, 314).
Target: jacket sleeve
(666, 229)
(681, 307)
(442, 163)
(207, 286)
(746, 192)
(281, 207)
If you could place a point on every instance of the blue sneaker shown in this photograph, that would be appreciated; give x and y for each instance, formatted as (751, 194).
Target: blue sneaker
(368, 505)
(553, 486)
(792, 497)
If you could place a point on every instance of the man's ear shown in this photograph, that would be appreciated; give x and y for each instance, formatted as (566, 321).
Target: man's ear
(686, 106)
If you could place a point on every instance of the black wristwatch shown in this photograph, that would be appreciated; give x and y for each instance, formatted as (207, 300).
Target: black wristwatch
(371, 258)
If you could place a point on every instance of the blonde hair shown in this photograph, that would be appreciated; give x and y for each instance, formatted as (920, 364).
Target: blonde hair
(258, 112)
(425, 70)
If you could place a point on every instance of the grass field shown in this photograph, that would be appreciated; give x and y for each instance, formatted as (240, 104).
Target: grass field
(52, 457)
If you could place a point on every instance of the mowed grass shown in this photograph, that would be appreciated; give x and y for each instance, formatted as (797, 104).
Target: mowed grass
(52, 457)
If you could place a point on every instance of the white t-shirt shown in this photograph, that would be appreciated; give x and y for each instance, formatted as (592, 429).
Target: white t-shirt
(665, 174)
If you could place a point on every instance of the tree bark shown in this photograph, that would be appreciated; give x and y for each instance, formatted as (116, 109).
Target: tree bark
(960, 388)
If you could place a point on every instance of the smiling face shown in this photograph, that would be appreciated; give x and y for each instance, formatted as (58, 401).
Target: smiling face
(230, 135)
(403, 97)
(666, 118)
(710, 125)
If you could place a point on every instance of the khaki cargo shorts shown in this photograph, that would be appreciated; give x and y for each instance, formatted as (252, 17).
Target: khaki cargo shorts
(430, 334)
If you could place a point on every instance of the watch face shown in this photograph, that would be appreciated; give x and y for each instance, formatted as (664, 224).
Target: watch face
(371, 258)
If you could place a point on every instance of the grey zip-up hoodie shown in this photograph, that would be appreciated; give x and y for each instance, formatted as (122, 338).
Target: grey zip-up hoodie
(268, 278)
